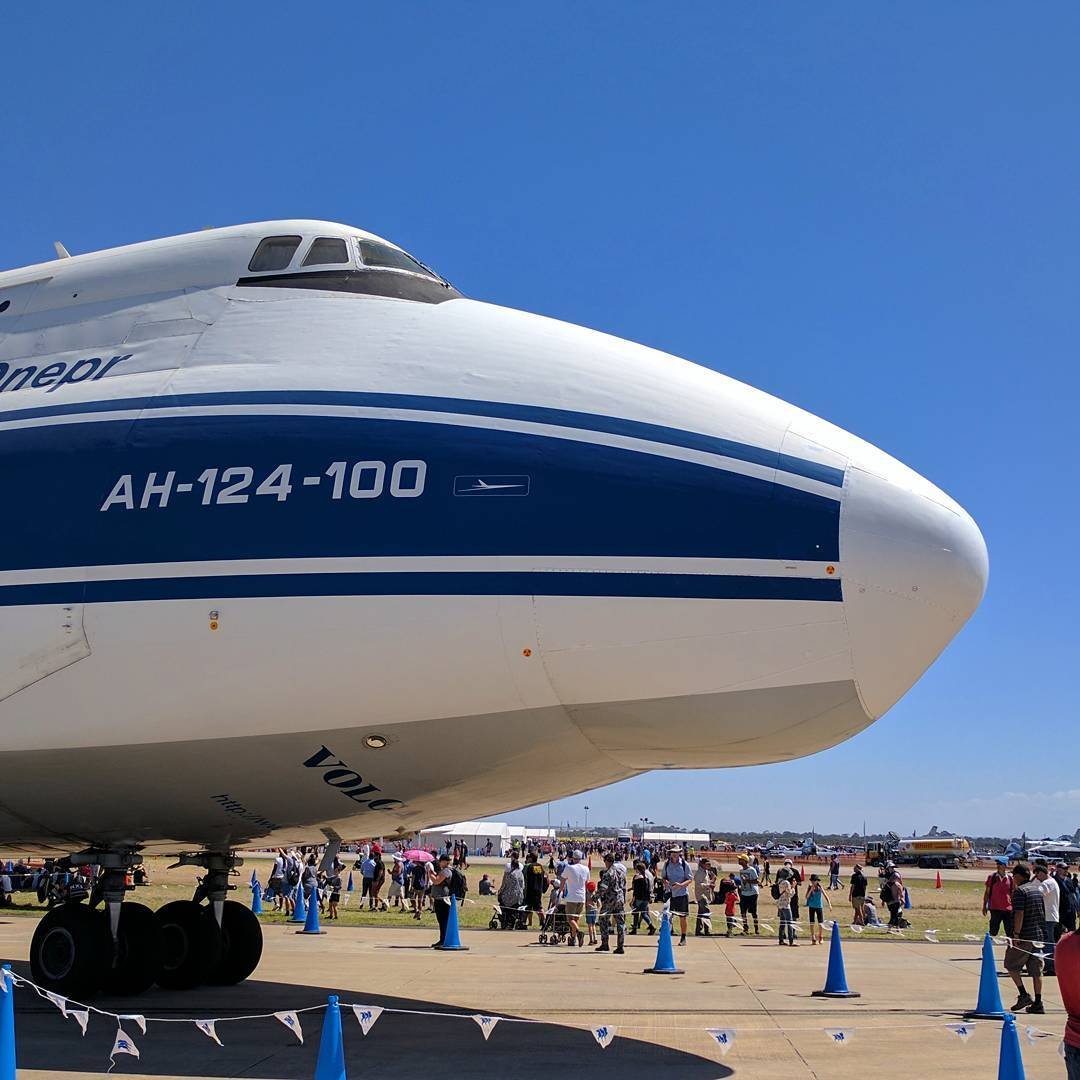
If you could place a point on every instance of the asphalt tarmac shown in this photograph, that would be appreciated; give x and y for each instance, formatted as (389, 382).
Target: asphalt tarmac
(910, 991)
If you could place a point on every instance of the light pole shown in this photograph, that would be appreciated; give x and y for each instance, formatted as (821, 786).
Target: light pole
(586, 819)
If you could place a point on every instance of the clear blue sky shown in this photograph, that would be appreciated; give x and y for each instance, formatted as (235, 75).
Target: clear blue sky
(870, 210)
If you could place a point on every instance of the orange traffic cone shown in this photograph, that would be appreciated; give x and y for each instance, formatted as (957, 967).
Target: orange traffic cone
(937, 880)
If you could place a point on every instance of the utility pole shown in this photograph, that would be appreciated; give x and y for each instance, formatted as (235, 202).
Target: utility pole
(586, 819)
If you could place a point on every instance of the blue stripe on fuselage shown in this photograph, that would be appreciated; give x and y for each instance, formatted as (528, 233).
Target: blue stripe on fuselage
(537, 414)
(584, 499)
(422, 583)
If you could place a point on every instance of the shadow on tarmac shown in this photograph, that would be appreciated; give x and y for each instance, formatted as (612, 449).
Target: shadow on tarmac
(399, 1046)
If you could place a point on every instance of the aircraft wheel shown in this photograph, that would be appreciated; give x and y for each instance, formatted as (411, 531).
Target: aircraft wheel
(138, 951)
(191, 945)
(71, 951)
(242, 943)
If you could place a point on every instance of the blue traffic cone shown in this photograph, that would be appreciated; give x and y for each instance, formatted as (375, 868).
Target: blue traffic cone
(665, 955)
(7, 1026)
(299, 907)
(311, 920)
(330, 1064)
(254, 878)
(989, 1006)
(1010, 1063)
(907, 899)
(836, 979)
(452, 937)
(256, 898)
(349, 887)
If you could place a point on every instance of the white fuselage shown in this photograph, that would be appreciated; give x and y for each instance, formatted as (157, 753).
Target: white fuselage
(303, 558)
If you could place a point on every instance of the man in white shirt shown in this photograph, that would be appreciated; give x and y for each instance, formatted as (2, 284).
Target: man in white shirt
(572, 881)
(1051, 894)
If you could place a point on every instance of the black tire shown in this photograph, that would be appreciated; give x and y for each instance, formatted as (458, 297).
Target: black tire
(71, 951)
(242, 943)
(190, 945)
(138, 951)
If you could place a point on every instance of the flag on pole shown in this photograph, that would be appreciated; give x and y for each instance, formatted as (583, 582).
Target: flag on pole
(366, 1015)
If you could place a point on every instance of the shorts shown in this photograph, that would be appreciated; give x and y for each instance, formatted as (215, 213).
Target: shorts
(533, 903)
(395, 890)
(858, 902)
(590, 918)
(680, 905)
(574, 907)
(816, 914)
(748, 905)
(1019, 956)
(335, 898)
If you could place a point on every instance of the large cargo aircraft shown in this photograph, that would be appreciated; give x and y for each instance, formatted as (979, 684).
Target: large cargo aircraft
(302, 544)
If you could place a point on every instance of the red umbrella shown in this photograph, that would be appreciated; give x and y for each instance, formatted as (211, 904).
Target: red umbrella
(418, 855)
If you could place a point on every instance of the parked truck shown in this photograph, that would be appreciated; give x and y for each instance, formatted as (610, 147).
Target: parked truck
(931, 852)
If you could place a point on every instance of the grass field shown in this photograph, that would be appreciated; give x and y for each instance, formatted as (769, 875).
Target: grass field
(954, 910)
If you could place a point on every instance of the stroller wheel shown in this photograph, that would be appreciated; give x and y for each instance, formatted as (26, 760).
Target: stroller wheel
(494, 924)
(543, 939)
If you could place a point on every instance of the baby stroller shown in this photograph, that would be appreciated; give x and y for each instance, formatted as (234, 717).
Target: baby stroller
(554, 927)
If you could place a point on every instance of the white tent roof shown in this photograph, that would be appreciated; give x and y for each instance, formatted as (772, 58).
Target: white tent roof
(678, 837)
(471, 828)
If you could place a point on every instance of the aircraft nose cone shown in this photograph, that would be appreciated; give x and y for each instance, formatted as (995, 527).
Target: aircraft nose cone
(914, 568)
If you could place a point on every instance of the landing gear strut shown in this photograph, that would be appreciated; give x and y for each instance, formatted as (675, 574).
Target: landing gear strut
(124, 948)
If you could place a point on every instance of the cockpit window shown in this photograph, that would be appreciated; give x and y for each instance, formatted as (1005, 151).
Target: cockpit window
(274, 253)
(327, 251)
(385, 257)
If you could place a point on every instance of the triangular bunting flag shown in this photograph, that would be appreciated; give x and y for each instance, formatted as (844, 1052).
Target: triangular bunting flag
(140, 1020)
(1033, 1034)
(962, 1031)
(366, 1015)
(930, 935)
(723, 1037)
(58, 1001)
(487, 1024)
(122, 1044)
(5, 976)
(840, 1036)
(208, 1028)
(971, 937)
(82, 1017)
(292, 1022)
(856, 928)
(603, 1035)
(1001, 941)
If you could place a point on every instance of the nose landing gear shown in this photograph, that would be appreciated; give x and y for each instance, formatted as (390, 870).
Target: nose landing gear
(78, 950)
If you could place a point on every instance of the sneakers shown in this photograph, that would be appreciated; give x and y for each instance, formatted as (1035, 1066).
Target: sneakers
(602, 948)
(581, 940)
(652, 930)
(1023, 1001)
(682, 940)
(619, 950)
(1036, 1007)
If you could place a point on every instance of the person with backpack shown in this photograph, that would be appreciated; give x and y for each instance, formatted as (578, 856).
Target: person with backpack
(748, 897)
(441, 885)
(857, 895)
(816, 899)
(892, 894)
(641, 887)
(781, 893)
(536, 884)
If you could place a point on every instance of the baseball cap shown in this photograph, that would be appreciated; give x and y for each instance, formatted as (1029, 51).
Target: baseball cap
(1001, 861)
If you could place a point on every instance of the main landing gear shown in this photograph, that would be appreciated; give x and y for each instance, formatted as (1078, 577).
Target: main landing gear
(78, 950)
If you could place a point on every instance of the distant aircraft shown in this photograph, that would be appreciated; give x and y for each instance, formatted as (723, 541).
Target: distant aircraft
(241, 604)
